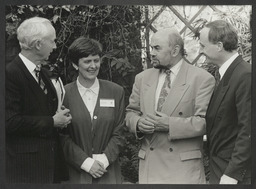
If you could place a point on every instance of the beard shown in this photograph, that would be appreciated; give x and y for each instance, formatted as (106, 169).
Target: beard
(161, 67)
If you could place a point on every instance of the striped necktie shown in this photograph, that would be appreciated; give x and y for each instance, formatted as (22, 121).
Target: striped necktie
(217, 78)
(165, 90)
(40, 80)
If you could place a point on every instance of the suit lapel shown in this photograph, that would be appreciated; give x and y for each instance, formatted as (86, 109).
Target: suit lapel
(79, 103)
(35, 88)
(177, 91)
(221, 90)
(150, 90)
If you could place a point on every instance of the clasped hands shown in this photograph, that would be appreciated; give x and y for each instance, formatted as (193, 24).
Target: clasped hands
(62, 118)
(150, 123)
(97, 169)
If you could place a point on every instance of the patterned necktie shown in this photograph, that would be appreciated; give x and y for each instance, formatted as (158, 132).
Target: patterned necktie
(217, 78)
(40, 80)
(165, 90)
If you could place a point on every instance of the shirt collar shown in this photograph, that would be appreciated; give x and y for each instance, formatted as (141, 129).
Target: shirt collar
(226, 64)
(175, 69)
(29, 65)
(94, 88)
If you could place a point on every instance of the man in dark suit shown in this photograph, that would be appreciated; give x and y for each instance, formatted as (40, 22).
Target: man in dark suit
(33, 153)
(228, 116)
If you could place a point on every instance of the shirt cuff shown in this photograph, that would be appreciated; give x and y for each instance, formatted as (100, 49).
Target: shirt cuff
(87, 164)
(101, 158)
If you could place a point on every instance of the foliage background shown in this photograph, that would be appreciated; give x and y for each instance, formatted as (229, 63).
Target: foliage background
(122, 32)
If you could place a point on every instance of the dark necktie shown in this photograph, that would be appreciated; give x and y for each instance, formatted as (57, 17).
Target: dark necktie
(217, 78)
(165, 90)
(40, 80)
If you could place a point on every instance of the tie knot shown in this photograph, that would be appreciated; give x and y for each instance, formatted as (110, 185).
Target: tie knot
(168, 72)
(38, 68)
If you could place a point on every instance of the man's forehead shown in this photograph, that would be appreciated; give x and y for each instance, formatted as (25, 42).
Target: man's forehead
(158, 40)
(204, 32)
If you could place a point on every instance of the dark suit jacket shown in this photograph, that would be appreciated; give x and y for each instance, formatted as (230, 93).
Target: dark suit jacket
(32, 145)
(229, 124)
(102, 134)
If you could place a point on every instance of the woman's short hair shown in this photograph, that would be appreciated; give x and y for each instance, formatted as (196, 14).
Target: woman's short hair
(222, 31)
(32, 30)
(83, 47)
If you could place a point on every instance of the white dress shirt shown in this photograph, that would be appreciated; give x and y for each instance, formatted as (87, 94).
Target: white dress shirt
(226, 65)
(89, 95)
(58, 85)
(174, 72)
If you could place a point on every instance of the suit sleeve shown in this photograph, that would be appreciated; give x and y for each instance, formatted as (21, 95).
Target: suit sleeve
(194, 125)
(117, 140)
(133, 112)
(241, 154)
(18, 122)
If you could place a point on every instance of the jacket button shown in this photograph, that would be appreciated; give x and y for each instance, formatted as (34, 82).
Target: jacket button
(95, 117)
(170, 149)
(180, 113)
(151, 148)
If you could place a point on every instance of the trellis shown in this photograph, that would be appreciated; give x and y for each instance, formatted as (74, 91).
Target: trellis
(188, 25)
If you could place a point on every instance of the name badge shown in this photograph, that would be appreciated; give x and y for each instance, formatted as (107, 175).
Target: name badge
(107, 103)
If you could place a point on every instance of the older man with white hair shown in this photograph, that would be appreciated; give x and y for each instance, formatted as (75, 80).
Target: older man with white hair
(33, 152)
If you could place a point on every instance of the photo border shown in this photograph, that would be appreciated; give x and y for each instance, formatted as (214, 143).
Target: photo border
(120, 2)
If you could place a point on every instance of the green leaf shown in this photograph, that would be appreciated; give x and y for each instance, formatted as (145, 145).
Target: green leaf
(113, 63)
(31, 8)
(119, 65)
(55, 18)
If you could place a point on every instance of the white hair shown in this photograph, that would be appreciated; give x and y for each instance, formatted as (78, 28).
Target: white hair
(32, 30)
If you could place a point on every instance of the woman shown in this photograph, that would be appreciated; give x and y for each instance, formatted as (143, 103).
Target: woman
(93, 140)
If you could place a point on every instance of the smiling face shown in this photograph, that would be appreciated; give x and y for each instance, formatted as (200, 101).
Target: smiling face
(88, 68)
(208, 49)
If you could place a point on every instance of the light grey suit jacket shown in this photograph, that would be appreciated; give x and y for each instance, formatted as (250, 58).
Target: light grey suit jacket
(173, 157)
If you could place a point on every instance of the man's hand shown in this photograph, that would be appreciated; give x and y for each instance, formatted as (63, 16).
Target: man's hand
(160, 121)
(97, 169)
(144, 126)
(62, 118)
(227, 180)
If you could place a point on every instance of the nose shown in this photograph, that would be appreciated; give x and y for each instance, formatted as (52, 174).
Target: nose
(93, 65)
(152, 53)
(54, 46)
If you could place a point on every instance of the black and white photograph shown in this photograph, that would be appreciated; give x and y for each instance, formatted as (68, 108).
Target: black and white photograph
(147, 95)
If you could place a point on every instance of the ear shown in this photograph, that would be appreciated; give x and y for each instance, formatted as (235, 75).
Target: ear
(175, 50)
(75, 66)
(38, 44)
(219, 46)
